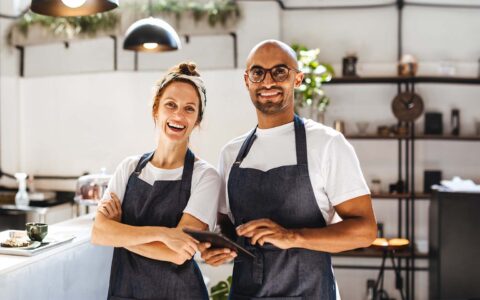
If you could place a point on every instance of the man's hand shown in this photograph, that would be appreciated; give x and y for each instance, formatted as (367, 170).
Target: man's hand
(266, 231)
(216, 257)
(111, 208)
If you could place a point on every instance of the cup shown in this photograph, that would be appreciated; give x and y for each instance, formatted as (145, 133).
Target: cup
(362, 127)
(37, 231)
(339, 125)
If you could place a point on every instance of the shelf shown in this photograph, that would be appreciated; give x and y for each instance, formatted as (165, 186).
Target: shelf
(375, 253)
(404, 79)
(418, 196)
(374, 137)
(472, 138)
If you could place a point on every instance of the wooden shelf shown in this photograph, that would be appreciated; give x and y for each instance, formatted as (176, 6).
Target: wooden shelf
(418, 196)
(404, 79)
(374, 137)
(472, 138)
(375, 253)
(448, 138)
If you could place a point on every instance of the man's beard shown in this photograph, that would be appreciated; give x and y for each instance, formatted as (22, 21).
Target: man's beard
(270, 107)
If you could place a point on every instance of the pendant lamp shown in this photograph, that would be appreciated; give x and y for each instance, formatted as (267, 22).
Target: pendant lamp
(151, 35)
(72, 8)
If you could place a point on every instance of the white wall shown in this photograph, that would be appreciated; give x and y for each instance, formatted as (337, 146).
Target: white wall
(77, 123)
(72, 114)
(9, 96)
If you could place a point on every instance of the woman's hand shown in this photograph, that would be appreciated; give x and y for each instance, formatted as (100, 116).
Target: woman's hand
(111, 208)
(180, 242)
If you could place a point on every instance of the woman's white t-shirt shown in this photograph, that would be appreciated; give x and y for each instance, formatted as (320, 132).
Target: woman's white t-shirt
(205, 190)
(333, 166)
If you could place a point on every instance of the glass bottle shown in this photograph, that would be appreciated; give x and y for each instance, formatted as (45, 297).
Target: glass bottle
(21, 198)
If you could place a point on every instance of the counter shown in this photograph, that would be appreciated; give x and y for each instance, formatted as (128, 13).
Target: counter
(75, 270)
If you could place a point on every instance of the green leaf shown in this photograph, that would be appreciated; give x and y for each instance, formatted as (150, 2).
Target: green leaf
(310, 91)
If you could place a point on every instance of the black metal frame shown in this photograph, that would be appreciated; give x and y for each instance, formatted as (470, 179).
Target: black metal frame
(187, 40)
(378, 287)
(399, 3)
(21, 50)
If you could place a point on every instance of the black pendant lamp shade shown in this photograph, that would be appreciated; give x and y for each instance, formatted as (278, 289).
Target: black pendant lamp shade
(71, 8)
(151, 35)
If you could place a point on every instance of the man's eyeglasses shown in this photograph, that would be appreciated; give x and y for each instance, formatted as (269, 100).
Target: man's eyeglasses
(279, 73)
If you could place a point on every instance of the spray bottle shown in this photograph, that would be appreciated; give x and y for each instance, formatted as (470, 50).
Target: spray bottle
(21, 198)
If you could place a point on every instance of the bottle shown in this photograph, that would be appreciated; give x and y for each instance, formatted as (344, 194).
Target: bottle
(21, 198)
(455, 122)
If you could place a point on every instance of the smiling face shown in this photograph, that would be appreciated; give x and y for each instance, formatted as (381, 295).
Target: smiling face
(177, 112)
(268, 96)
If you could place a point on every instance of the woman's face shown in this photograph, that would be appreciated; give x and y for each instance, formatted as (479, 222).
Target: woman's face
(178, 111)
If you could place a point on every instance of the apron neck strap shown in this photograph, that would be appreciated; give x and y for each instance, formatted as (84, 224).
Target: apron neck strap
(188, 171)
(246, 147)
(187, 167)
(300, 141)
(143, 162)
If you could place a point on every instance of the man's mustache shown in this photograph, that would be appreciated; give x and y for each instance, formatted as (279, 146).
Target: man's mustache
(274, 88)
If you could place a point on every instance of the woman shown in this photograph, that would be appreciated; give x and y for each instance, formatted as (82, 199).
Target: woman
(151, 197)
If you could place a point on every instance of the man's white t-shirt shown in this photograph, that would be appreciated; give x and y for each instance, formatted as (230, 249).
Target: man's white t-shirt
(205, 190)
(333, 166)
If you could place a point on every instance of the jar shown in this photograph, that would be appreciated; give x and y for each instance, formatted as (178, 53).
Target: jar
(376, 186)
(90, 188)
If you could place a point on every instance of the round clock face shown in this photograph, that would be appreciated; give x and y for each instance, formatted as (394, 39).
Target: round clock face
(407, 106)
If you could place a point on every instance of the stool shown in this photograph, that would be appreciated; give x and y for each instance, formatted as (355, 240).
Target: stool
(388, 248)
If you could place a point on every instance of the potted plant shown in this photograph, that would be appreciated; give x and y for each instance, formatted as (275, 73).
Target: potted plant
(221, 290)
(310, 94)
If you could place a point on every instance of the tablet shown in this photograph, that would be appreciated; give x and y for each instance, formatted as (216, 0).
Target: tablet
(217, 240)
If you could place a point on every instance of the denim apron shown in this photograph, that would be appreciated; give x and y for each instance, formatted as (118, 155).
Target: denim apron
(136, 277)
(285, 196)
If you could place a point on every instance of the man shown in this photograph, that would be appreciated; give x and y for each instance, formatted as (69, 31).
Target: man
(283, 196)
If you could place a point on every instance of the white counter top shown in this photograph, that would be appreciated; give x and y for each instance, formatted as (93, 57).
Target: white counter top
(79, 227)
(74, 270)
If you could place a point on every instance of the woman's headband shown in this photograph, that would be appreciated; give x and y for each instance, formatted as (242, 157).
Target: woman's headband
(197, 81)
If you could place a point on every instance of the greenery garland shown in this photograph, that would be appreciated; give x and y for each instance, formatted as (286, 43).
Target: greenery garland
(68, 26)
(216, 11)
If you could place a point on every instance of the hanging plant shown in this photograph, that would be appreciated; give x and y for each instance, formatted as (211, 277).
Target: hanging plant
(67, 27)
(216, 11)
(310, 92)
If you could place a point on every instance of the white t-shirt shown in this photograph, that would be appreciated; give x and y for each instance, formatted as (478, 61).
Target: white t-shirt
(333, 166)
(205, 190)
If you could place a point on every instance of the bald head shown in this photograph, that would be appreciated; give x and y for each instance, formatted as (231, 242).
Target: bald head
(272, 49)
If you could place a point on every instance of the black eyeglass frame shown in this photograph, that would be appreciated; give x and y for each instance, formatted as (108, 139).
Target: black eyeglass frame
(270, 71)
